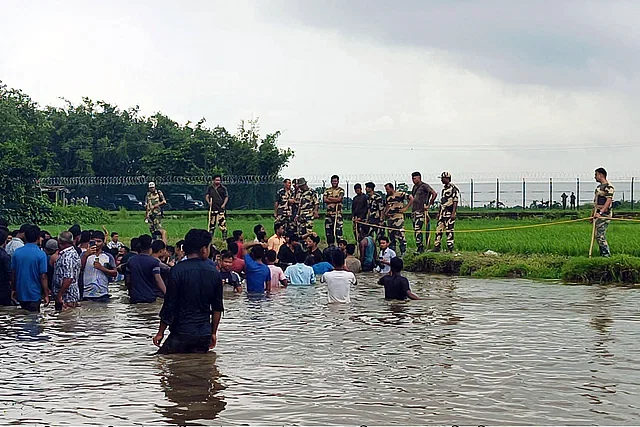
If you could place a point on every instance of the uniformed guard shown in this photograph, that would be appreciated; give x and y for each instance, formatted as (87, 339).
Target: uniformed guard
(603, 202)
(283, 208)
(421, 198)
(394, 210)
(375, 206)
(153, 202)
(447, 215)
(358, 212)
(308, 205)
(217, 197)
(333, 197)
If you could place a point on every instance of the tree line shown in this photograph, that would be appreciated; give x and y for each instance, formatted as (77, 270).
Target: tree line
(96, 138)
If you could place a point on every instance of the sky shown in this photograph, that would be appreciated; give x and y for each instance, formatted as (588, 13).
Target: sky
(358, 88)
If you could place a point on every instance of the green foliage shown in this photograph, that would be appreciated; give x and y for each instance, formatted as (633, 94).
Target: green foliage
(78, 215)
(123, 214)
(618, 269)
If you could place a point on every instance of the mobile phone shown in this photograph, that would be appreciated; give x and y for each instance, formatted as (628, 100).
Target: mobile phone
(92, 242)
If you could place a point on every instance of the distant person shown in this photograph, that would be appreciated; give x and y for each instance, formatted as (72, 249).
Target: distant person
(353, 264)
(50, 248)
(18, 240)
(217, 197)
(312, 241)
(115, 242)
(603, 204)
(98, 266)
(572, 200)
(333, 198)
(564, 200)
(288, 252)
(258, 274)
(66, 274)
(5, 271)
(421, 199)
(193, 305)
(300, 273)
(339, 281)
(359, 211)
(143, 277)
(257, 229)
(277, 240)
(395, 285)
(283, 207)
(227, 275)
(153, 202)
(238, 237)
(449, 198)
(277, 275)
(29, 269)
(367, 251)
(385, 257)
(238, 263)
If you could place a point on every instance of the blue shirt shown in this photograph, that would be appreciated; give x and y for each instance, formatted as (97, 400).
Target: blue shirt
(257, 275)
(322, 267)
(300, 274)
(29, 262)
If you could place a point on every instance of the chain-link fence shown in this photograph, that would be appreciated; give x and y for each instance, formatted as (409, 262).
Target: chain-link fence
(258, 192)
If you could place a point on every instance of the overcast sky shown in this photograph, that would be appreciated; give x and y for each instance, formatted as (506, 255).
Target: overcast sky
(357, 87)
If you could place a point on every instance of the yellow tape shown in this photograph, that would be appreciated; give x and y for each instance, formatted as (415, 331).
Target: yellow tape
(517, 227)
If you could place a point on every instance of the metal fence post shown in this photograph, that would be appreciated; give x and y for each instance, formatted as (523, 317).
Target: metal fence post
(550, 193)
(497, 192)
(524, 194)
(471, 193)
(348, 203)
(632, 183)
(577, 193)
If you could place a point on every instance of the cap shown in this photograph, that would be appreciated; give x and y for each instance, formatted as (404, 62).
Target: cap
(301, 181)
(51, 244)
(152, 184)
(445, 175)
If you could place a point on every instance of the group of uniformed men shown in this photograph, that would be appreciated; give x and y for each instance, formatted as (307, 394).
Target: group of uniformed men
(297, 207)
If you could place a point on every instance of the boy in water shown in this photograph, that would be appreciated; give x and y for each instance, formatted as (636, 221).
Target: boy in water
(386, 255)
(277, 275)
(228, 276)
(395, 285)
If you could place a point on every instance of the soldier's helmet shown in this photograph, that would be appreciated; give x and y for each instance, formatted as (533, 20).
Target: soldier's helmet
(301, 181)
(445, 175)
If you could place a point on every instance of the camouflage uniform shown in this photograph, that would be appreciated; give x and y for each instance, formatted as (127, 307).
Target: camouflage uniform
(307, 204)
(334, 214)
(154, 216)
(218, 213)
(450, 195)
(375, 206)
(421, 195)
(284, 210)
(395, 219)
(603, 192)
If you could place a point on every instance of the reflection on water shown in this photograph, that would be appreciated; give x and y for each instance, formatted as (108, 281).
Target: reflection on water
(471, 352)
(192, 385)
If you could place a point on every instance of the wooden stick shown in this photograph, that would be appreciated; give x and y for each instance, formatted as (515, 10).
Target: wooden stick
(428, 218)
(593, 237)
(209, 223)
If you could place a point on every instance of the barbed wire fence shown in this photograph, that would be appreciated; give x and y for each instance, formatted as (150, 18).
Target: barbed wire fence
(257, 192)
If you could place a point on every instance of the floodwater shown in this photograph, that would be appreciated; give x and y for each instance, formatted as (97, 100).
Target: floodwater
(472, 352)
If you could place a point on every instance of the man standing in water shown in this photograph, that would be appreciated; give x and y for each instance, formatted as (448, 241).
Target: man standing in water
(602, 205)
(333, 198)
(193, 304)
(153, 203)
(217, 197)
(447, 215)
(421, 198)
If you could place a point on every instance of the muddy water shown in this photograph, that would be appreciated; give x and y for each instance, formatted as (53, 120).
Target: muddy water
(472, 352)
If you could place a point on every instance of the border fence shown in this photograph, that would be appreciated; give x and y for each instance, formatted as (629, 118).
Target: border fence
(258, 192)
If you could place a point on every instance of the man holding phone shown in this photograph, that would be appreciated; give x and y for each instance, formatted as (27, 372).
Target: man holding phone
(98, 267)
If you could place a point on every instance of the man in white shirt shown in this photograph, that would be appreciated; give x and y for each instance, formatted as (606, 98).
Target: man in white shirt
(386, 254)
(339, 281)
(17, 241)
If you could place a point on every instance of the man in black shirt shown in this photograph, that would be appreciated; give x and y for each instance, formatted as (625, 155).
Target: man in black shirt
(193, 304)
(358, 211)
(287, 253)
(395, 285)
(217, 197)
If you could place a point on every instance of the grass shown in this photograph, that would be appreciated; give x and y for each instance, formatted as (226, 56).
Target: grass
(617, 269)
(563, 239)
